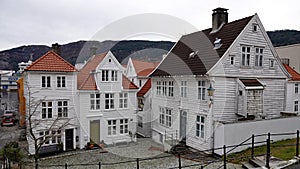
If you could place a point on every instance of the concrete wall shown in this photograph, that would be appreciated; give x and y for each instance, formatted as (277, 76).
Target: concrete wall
(236, 133)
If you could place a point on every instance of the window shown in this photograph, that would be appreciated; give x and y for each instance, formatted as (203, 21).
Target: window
(46, 109)
(95, 101)
(141, 104)
(259, 56)
(171, 89)
(272, 64)
(168, 117)
(47, 137)
(165, 116)
(164, 88)
(201, 89)
(183, 89)
(104, 75)
(60, 81)
(114, 75)
(46, 81)
(112, 127)
(158, 88)
(140, 121)
(296, 106)
(62, 108)
(123, 126)
(200, 126)
(123, 100)
(254, 27)
(140, 83)
(109, 101)
(296, 88)
(231, 60)
(245, 56)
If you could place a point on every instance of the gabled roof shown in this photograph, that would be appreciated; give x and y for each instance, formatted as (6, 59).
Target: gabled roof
(295, 76)
(145, 88)
(51, 62)
(144, 68)
(194, 54)
(86, 79)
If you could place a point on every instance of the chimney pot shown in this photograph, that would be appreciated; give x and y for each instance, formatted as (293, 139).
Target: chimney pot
(56, 48)
(219, 17)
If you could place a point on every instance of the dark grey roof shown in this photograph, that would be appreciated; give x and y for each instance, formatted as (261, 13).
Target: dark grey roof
(180, 60)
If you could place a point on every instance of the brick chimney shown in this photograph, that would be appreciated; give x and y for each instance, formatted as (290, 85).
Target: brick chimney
(219, 17)
(56, 48)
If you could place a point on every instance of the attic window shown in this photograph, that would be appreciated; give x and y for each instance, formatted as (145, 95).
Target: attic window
(218, 43)
(192, 54)
(254, 27)
(109, 60)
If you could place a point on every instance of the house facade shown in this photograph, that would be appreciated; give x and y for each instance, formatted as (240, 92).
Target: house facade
(289, 54)
(224, 74)
(51, 117)
(106, 102)
(138, 72)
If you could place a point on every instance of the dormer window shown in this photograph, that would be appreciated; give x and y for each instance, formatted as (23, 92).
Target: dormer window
(105, 75)
(218, 43)
(109, 75)
(114, 75)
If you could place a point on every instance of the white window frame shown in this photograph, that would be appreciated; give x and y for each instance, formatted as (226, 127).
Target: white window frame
(158, 88)
(246, 55)
(202, 89)
(183, 89)
(50, 137)
(111, 127)
(200, 126)
(61, 81)
(140, 121)
(109, 101)
(231, 60)
(165, 116)
(46, 81)
(171, 89)
(296, 106)
(95, 101)
(105, 75)
(47, 110)
(259, 52)
(296, 88)
(164, 88)
(272, 63)
(62, 108)
(114, 75)
(124, 126)
(123, 100)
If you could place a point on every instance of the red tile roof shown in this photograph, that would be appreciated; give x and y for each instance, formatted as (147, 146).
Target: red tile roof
(295, 75)
(86, 80)
(51, 62)
(127, 84)
(144, 68)
(145, 88)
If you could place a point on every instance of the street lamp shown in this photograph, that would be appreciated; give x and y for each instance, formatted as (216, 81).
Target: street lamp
(210, 91)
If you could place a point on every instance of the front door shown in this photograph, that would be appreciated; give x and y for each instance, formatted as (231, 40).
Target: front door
(69, 139)
(95, 131)
(182, 128)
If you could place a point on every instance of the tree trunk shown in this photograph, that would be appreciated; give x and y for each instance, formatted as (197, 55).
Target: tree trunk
(36, 162)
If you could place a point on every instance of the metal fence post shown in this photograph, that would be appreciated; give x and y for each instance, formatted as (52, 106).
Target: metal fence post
(137, 163)
(99, 165)
(268, 154)
(179, 161)
(297, 144)
(66, 166)
(252, 147)
(224, 154)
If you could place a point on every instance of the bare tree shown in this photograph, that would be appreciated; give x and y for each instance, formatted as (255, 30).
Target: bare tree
(34, 124)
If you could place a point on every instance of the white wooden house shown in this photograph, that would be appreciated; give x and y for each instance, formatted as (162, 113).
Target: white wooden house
(138, 72)
(49, 85)
(106, 102)
(292, 91)
(233, 61)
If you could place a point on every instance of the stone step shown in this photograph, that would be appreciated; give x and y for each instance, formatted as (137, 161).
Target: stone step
(247, 165)
(257, 162)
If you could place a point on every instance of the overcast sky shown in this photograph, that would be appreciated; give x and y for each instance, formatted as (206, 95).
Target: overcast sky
(26, 22)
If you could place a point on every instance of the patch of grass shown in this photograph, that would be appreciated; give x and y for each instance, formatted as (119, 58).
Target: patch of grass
(284, 149)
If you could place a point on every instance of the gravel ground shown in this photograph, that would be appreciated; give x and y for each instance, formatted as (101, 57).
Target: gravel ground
(127, 154)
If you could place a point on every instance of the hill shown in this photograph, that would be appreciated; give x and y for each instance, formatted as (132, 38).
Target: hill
(80, 51)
